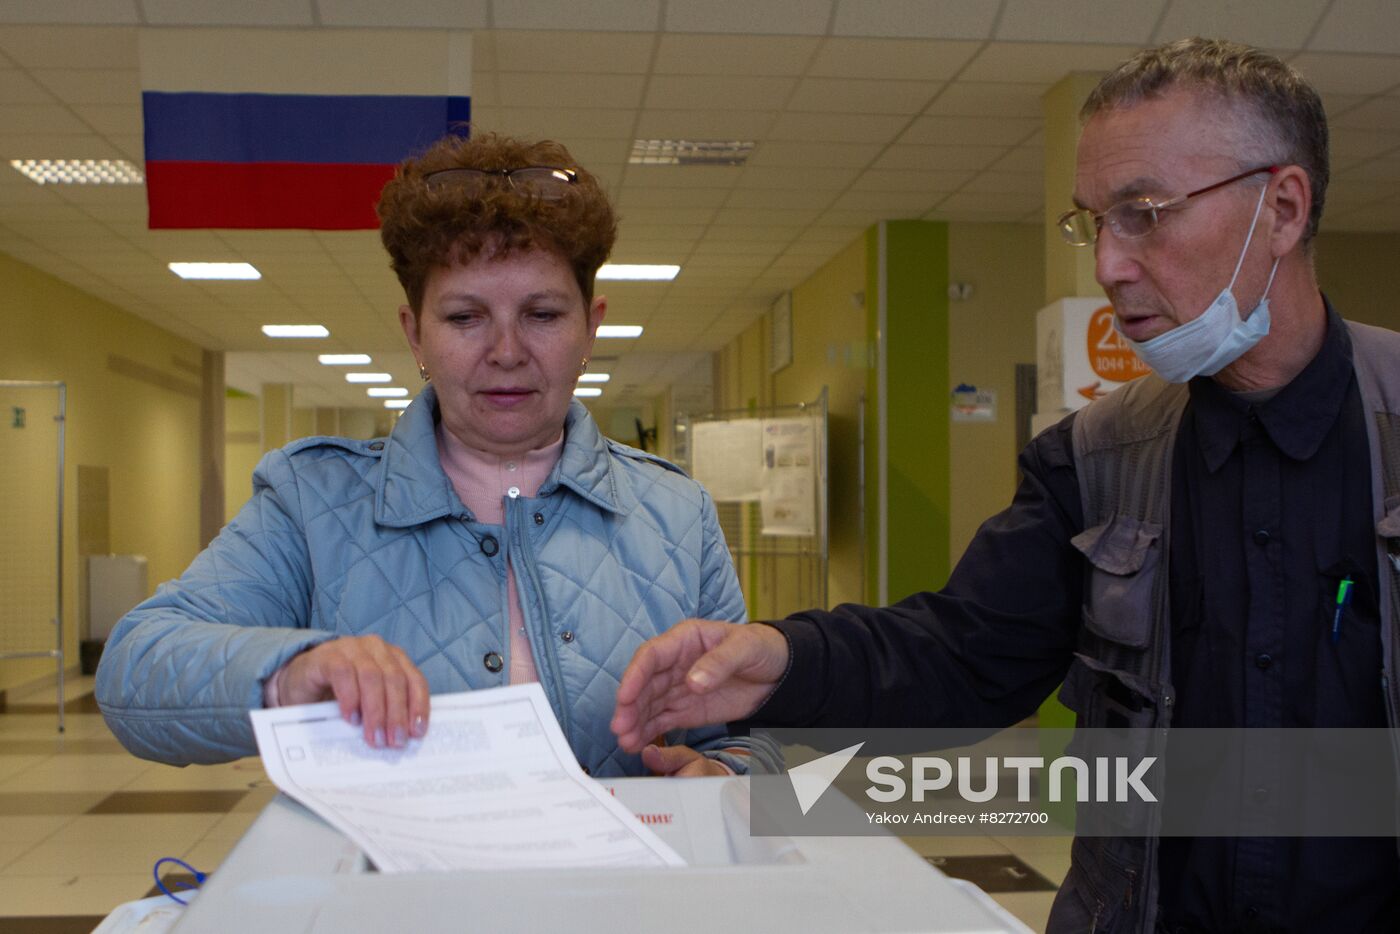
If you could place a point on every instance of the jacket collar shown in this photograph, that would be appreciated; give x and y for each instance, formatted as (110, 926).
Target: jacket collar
(1297, 418)
(413, 488)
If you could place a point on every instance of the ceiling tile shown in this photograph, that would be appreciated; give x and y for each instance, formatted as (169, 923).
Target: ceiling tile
(86, 12)
(839, 128)
(681, 216)
(702, 92)
(110, 118)
(1359, 26)
(987, 99)
(1042, 63)
(704, 124)
(743, 211)
(70, 47)
(1349, 74)
(862, 219)
(911, 180)
(683, 176)
(947, 19)
(898, 59)
(614, 16)
(1339, 104)
(779, 200)
(801, 178)
(984, 131)
(887, 201)
(988, 202)
(539, 89)
(1007, 183)
(789, 18)
(824, 155)
(1078, 21)
(584, 52)
(1377, 113)
(40, 119)
(941, 158)
(16, 87)
(562, 123)
(688, 54)
(671, 198)
(1024, 159)
(422, 14)
(92, 85)
(1349, 144)
(1262, 23)
(217, 13)
(855, 95)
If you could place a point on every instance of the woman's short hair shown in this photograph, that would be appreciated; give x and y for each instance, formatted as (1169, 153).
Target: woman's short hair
(425, 226)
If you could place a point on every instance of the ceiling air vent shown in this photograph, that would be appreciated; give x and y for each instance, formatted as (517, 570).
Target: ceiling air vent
(690, 152)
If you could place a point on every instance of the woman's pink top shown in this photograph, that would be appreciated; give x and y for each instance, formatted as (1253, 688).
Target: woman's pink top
(483, 482)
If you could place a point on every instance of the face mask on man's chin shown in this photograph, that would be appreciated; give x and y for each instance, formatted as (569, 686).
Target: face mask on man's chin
(1217, 337)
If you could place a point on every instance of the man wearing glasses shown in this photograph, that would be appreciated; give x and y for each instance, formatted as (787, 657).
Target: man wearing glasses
(1174, 551)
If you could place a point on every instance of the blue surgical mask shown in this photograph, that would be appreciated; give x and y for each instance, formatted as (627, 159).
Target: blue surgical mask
(1208, 344)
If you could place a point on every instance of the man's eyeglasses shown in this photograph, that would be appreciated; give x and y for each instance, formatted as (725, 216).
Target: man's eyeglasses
(1135, 218)
(546, 182)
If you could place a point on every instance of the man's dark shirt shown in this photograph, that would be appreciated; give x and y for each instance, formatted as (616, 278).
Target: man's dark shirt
(1271, 509)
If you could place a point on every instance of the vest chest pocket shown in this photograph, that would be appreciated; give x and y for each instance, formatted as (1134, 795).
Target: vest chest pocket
(1124, 555)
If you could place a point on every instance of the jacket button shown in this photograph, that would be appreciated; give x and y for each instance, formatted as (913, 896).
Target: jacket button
(1263, 660)
(567, 635)
(489, 546)
(377, 446)
(493, 662)
(539, 518)
(1262, 537)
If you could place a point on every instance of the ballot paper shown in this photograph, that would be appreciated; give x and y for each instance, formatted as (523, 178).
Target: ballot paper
(493, 785)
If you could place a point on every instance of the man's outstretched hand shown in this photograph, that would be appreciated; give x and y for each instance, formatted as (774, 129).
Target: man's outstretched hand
(698, 672)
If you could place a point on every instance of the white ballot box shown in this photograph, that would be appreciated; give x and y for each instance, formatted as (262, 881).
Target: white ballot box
(291, 872)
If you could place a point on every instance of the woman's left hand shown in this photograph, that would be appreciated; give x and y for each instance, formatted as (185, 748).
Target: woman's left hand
(681, 762)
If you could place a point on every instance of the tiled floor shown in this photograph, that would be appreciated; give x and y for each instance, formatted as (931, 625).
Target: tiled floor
(82, 822)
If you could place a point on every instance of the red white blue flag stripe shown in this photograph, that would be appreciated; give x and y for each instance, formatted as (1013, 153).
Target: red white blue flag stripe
(256, 157)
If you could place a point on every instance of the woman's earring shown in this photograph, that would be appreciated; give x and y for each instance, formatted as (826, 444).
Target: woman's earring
(423, 372)
(582, 367)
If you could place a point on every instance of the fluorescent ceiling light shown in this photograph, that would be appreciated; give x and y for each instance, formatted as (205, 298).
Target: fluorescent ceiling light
(595, 378)
(295, 330)
(344, 359)
(690, 151)
(215, 271)
(386, 392)
(619, 330)
(397, 403)
(368, 378)
(78, 171)
(587, 392)
(647, 272)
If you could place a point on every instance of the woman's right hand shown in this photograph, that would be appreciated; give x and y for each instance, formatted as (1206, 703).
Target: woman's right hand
(374, 682)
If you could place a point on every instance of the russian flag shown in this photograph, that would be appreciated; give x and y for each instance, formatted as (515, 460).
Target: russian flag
(299, 129)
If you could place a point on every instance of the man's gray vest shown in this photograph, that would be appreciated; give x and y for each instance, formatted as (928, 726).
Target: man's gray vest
(1121, 673)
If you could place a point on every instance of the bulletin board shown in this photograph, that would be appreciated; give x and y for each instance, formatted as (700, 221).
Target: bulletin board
(767, 473)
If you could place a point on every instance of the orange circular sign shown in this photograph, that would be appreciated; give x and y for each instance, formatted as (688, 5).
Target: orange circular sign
(1110, 357)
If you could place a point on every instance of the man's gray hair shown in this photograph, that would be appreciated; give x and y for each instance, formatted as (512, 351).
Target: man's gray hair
(1280, 101)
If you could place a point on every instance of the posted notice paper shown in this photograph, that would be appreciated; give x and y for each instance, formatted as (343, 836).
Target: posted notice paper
(493, 785)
